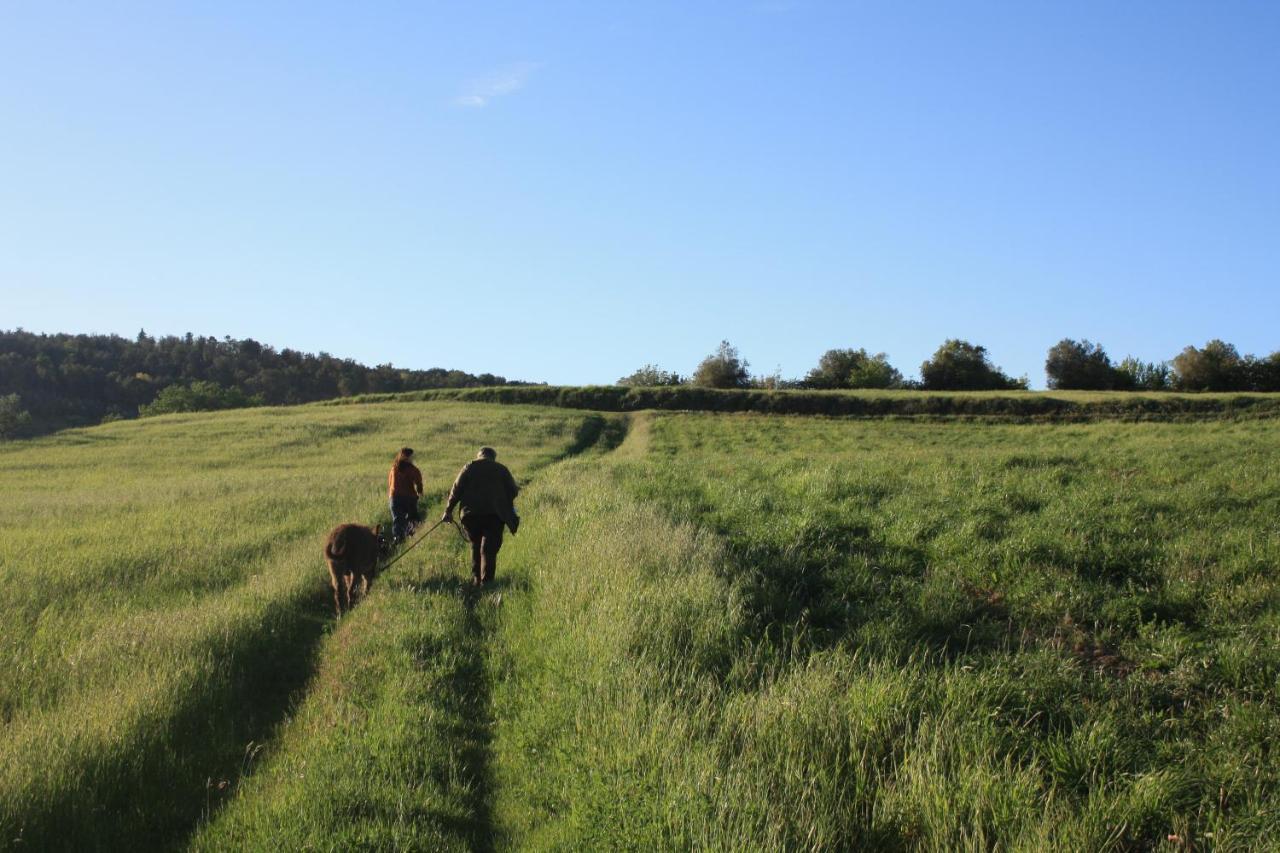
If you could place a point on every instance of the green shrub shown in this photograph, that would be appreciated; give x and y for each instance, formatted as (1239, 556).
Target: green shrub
(14, 420)
(961, 366)
(850, 368)
(198, 397)
(724, 368)
(1079, 365)
(1135, 375)
(651, 376)
(1217, 367)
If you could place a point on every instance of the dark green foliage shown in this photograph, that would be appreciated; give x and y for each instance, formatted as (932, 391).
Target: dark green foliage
(1134, 375)
(1220, 367)
(961, 366)
(1033, 406)
(651, 376)
(14, 420)
(724, 368)
(73, 380)
(1261, 374)
(1079, 365)
(198, 397)
(1217, 367)
(850, 368)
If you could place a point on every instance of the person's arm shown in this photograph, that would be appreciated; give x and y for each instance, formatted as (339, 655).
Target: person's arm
(417, 481)
(512, 488)
(455, 495)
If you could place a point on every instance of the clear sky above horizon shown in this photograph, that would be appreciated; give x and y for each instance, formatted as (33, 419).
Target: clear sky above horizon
(563, 192)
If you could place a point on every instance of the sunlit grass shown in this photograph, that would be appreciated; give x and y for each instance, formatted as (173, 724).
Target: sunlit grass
(165, 594)
(937, 636)
(731, 632)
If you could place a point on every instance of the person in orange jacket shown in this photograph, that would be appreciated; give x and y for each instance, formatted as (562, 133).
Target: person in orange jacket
(404, 487)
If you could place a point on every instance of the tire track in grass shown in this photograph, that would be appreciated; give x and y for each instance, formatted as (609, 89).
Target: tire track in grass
(393, 746)
(465, 770)
(469, 702)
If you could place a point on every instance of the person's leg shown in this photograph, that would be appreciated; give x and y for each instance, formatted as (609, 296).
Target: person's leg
(475, 534)
(492, 544)
(397, 519)
(411, 514)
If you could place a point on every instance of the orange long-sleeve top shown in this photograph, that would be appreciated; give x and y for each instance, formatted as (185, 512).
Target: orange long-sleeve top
(404, 480)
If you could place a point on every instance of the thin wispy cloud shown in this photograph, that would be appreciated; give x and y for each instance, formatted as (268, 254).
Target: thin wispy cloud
(477, 93)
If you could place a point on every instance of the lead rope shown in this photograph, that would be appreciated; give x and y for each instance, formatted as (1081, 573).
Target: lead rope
(417, 540)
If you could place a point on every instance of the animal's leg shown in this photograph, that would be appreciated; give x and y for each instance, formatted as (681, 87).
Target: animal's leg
(344, 587)
(336, 583)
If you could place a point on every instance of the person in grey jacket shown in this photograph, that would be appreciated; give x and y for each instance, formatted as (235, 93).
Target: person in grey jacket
(486, 491)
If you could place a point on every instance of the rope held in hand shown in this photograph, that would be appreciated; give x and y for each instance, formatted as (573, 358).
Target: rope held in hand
(417, 540)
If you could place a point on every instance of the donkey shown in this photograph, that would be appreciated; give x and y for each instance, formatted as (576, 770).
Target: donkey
(352, 552)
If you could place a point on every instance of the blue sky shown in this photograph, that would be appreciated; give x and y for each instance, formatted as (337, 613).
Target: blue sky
(566, 191)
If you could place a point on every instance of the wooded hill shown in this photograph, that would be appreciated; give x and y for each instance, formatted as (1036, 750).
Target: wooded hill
(64, 380)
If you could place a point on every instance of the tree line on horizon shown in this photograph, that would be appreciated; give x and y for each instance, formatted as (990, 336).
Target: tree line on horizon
(959, 365)
(50, 382)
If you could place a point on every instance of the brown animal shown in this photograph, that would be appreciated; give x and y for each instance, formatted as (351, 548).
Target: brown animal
(352, 552)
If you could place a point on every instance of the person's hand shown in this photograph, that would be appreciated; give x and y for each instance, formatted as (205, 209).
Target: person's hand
(448, 516)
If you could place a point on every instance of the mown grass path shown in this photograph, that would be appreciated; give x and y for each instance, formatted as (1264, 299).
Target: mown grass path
(392, 748)
(165, 598)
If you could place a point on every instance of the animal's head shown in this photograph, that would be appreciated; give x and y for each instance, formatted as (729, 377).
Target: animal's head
(384, 545)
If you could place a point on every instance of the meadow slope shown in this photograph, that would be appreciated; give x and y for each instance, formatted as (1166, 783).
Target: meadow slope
(784, 632)
(166, 598)
(728, 631)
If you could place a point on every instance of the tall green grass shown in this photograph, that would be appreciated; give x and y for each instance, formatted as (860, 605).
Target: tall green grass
(730, 632)
(900, 635)
(165, 596)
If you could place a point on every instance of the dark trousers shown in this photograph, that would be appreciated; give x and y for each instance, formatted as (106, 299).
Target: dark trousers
(485, 533)
(404, 513)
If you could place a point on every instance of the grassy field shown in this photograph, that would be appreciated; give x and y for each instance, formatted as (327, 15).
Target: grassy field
(165, 597)
(725, 631)
(902, 635)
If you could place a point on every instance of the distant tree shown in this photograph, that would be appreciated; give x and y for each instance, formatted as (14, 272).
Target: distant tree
(772, 381)
(961, 366)
(853, 368)
(1216, 367)
(724, 368)
(1079, 365)
(14, 420)
(1260, 374)
(198, 397)
(1135, 375)
(651, 376)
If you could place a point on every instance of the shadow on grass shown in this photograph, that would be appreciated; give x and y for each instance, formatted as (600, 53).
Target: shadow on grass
(156, 786)
(462, 771)
(837, 583)
(599, 431)
(468, 729)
